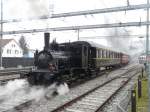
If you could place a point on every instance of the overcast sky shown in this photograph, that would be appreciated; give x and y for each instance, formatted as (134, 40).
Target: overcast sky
(33, 8)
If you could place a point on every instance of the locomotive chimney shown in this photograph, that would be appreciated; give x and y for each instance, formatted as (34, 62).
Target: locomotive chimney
(46, 41)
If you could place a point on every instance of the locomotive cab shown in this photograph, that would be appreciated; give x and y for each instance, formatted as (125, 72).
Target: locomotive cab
(80, 56)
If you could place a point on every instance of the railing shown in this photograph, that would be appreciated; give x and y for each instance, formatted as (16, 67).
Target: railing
(9, 71)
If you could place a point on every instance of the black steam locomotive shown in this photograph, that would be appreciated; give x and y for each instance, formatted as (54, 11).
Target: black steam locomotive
(72, 61)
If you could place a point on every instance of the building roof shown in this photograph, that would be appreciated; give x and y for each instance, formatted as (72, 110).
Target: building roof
(4, 42)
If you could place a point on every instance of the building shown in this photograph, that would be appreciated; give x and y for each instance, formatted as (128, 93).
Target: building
(30, 53)
(10, 48)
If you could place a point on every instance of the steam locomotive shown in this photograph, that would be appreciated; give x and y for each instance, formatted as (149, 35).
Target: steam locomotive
(72, 61)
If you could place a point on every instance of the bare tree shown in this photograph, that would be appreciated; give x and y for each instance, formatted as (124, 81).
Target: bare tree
(23, 45)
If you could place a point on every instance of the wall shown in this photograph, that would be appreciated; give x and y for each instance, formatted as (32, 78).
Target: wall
(12, 49)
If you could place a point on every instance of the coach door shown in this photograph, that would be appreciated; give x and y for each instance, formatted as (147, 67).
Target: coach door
(84, 56)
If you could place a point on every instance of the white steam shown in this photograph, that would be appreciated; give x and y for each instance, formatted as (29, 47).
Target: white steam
(39, 7)
(119, 39)
(62, 89)
(17, 91)
(55, 89)
(26, 8)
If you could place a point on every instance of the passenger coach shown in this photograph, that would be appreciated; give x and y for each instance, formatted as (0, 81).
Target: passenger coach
(94, 56)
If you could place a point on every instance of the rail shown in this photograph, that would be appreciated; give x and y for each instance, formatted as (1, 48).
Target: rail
(68, 104)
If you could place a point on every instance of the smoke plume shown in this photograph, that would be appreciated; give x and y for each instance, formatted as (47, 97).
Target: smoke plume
(39, 7)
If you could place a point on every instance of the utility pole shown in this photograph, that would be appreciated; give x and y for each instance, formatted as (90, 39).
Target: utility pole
(147, 55)
(1, 35)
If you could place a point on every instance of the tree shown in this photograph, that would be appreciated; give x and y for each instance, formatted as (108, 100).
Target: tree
(23, 45)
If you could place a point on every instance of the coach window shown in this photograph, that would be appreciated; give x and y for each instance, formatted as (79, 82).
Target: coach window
(101, 53)
(110, 54)
(105, 54)
(118, 55)
(97, 54)
(85, 51)
(113, 55)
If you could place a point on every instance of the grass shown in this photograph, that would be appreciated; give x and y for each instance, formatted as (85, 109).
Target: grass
(142, 103)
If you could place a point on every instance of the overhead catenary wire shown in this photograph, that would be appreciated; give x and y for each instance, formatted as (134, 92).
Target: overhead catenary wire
(119, 36)
(80, 13)
(97, 26)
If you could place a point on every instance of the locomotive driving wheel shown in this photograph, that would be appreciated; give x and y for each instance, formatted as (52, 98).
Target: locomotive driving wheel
(31, 79)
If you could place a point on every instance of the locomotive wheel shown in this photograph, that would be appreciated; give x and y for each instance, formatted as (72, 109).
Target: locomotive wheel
(31, 80)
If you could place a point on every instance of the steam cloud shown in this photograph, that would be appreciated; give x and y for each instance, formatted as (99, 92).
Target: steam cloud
(117, 40)
(120, 39)
(39, 7)
(26, 8)
(19, 90)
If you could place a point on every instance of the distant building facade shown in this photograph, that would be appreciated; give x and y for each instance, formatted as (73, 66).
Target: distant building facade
(30, 53)
(10, 48)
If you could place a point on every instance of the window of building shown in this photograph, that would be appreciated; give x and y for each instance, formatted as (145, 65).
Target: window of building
(16, 52)
(8, 51)
(13, 45)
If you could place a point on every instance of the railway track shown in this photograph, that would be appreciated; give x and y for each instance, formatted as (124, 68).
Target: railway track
(16, 105)
(95, 99)
(59, 102)
(82, 101)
